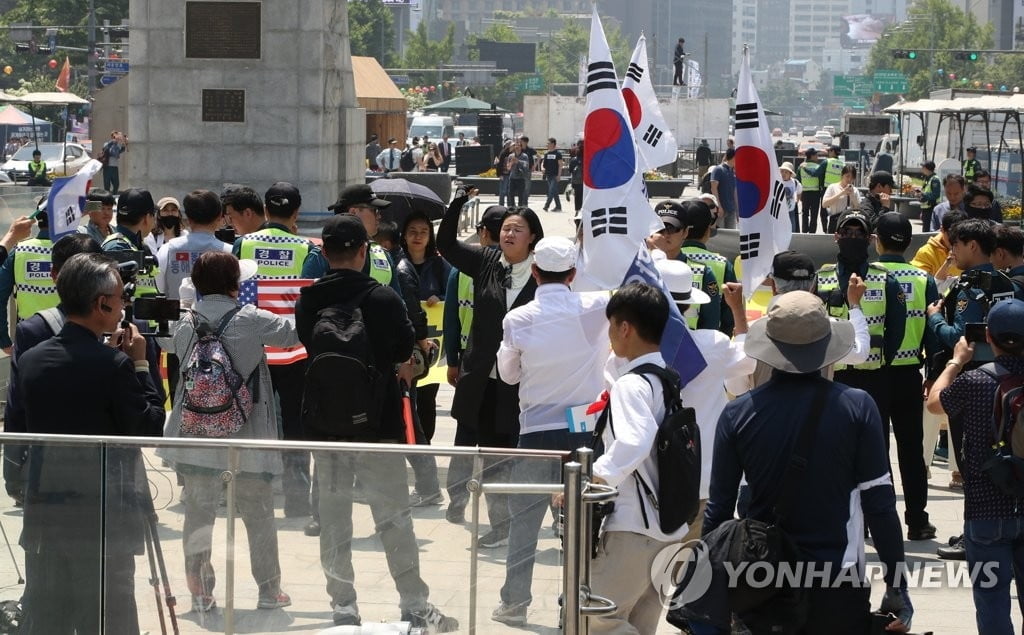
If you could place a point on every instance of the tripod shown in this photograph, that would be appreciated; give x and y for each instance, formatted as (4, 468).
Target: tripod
(156, 562)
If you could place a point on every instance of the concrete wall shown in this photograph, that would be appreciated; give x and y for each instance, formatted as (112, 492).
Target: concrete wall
(110, 112)
(301, 121)
(563, 117)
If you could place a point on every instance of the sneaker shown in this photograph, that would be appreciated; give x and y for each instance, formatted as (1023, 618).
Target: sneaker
(492, 539)
(455, 514)
(511, 614)
(956, 482)
(430, 618)
(922, 532)
(956, 550)
(346, 615)
(203, 603)
(278, 600)
(312, 528)
(942, 452)
(419, 500)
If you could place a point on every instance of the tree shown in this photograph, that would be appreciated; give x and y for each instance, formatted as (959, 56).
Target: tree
(932, 24)
(422, 52)
(371, 28)
(558, 59)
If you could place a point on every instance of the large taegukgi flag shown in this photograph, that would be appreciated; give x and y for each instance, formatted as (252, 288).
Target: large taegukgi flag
(654, 139)
(66, 200)
(616, 215)
(764, 218)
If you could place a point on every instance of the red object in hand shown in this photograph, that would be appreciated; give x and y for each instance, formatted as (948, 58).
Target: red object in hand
(410, 425)
(52, 63)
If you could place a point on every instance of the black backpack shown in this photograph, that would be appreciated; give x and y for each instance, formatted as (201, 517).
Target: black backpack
(406, 162)
(705, 183)
(677, 453)
(343, 390)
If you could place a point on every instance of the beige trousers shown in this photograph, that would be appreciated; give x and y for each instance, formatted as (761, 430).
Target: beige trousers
(622, 572)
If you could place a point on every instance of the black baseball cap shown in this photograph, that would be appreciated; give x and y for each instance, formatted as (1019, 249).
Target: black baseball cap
(894, 227)
(835, 148)
(810, 152)
(671, 213)
(357, 195)
(343, 231)
(880, 177)
(972, 149)
(930, 165)
(792, 265)
(283, 196)
(853, 216)
(492, 219)
(134, 203)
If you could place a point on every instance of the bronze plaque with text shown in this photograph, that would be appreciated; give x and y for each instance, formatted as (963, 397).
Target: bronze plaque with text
(223, 30)
(222, 105)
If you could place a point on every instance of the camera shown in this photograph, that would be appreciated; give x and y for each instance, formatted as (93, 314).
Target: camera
(975, 332)
(226, 235)
(131, 263)
(152, 307)
(975, 279)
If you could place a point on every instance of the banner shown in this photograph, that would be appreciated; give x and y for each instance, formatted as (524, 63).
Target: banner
(694, 79)
(763, 214)
(435, 332)
(616, 215)
(677, 345)
(67, 200)
(654, 139)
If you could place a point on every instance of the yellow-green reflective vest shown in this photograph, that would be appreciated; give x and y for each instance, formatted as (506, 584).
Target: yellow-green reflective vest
(709, 259)
(34, 289)
(809, 181)
(278, 254)
(145, 284)
(913, 282)
(872, 304)
(692, 315)
(380, 268)
(834, 171)
(465, 299)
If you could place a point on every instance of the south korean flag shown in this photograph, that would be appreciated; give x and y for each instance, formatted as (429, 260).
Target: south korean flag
(765, 229)
(616, 215)
(654, 139)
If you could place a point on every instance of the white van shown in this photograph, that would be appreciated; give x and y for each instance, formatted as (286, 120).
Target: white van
(431, 126)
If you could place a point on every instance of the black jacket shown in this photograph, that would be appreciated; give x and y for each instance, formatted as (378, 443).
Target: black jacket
(489, 309)
(871, 207)
(75, 384)
(431, 277)
(387, 327)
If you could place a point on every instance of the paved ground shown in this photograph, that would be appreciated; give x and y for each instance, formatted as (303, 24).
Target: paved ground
(445, 560)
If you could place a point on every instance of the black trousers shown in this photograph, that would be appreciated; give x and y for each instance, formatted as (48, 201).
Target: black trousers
(926, 219)
(897, 391)
(288, 383)
(677, 78)
(810, 208)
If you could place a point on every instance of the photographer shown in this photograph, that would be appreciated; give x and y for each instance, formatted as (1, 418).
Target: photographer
(110, 155)
(246, 331)
(992, 519)
(136, 217)
(84, 520)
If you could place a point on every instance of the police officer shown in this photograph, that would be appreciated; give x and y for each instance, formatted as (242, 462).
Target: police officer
(971, 165)
(281, 254)
(670, 240)
(930, 193)
(37, 170)
(810, 175)
(906, 400)
(834, 165)
(136, 217)
(26, 273)
(701, 222)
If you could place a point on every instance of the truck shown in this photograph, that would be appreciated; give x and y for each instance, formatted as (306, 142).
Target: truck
(866, 129)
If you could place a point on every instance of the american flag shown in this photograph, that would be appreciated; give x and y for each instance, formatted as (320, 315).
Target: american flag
(276, 296)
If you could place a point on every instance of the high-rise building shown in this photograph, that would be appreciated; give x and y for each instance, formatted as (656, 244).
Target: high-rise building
(773, 33)
(816, 26)
(744, 32)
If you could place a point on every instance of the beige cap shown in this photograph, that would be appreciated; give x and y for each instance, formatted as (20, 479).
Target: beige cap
(167, 200)
(797, 335)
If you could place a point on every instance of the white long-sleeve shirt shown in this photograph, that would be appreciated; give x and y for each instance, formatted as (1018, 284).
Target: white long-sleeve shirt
(554, 347)
(637, 409)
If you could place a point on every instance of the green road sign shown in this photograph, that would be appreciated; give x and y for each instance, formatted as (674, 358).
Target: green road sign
(532, 84)
(889, 82)
(852, 86)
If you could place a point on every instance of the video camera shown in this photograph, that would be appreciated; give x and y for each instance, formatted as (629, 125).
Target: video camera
(153, 307)
(975, 279)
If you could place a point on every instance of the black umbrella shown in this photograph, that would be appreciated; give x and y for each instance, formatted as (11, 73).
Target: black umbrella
(407, 197)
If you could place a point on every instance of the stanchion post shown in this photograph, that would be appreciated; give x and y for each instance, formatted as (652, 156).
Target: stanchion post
(573, 491)
(474, 544)
(585, 457)
(229, 567)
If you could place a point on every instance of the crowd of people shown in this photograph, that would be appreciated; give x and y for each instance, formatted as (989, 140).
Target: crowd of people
(847, 351)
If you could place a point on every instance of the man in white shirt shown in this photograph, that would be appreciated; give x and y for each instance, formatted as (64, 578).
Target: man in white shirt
(555, 348)
(725, 359)
(176, 256)
(388, 160)
(794, 271)
(631, 535)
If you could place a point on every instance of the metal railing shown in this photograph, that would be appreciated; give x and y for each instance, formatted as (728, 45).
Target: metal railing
(578, 491)
(470, 215)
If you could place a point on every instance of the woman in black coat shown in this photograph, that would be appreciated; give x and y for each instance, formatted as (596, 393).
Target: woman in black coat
(502, 281)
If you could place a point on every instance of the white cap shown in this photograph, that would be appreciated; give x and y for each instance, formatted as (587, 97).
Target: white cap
(678, 278)
(707, 196)
(555, 254)
(247, 269)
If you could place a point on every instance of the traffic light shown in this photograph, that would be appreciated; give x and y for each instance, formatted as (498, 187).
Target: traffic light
(967, 56)
(904, 54)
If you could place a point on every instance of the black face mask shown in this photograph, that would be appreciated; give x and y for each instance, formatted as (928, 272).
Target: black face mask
(170, 222)
(853, 250)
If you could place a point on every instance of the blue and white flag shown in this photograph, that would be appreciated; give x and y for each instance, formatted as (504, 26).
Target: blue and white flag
(763, 212)
(67, 200)
(654, 139)
(677, 345)
(616, 215)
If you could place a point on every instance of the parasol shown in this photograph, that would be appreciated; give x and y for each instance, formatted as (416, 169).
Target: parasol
(406, 197)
